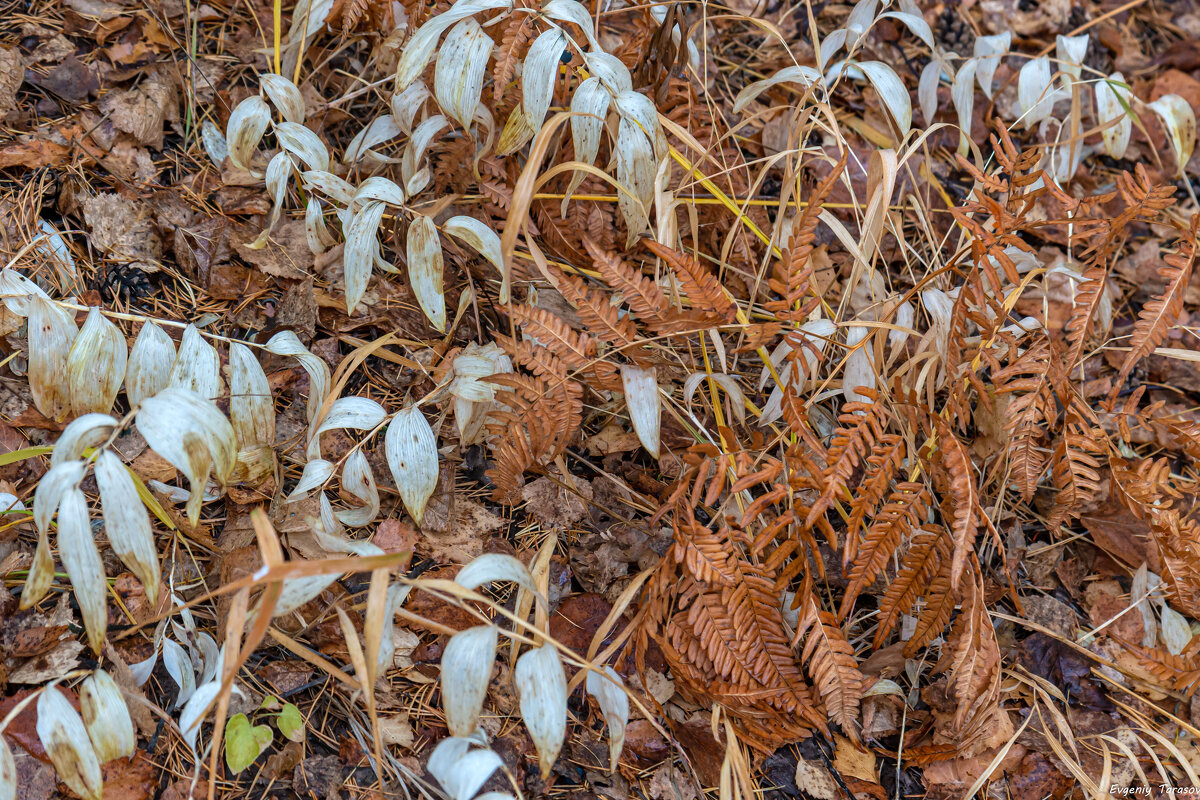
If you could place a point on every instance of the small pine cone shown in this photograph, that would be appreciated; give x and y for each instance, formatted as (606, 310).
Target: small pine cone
(125, 281)
(953, 33)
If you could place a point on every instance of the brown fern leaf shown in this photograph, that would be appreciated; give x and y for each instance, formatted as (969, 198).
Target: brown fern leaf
(701, 286)
(1088, 295)
(882, 465)
(1179, 672)
(535, 421)
(904, 512)
(792, 275)
(1076, 470)
(830, 660)
(972, 660)
(575, 349)
(940, 596)
(1156, 317)
(601, 318)
(861, 427)
(1032, 409)
(1178, 541)
(530, 355)
(518, 31)
(641, 294)
(966, 514)
(930, 549)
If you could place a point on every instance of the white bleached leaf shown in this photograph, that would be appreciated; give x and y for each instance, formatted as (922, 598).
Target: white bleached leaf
(1180, 122)
(1071, 51)
(927, 88)
(635, 171)
(179, 667)
(608, 690)
(193, 713)
(460, 770)
(379, 130)
(356, 413)
(359, 482)
(988, 52)
(80, 558)
(491, 567)
(542, 690)
(1144, 584)
(573, 11)
(466, 670)
(860, 20)
(538, 74)
(589, 106)
(1176, 633)
(126, 521)
(66, 741)
(407, 103)
(859, 371)
(214, 142)
(247, 124)
(304, 144)
(359, 252)
(46, 498)
(251, 407)
(316, 233)
(458, 73)
(1113, 99)
(414, 152)
(336, 189)
(891, 91)
(197, 366)
(640, 385)
(411, 450)
(1035, 97)
(287, 343)
(316, 473)
(611, 71)
(481, 238)
(379, 189)
(638, 108)
(284, 95)
(420, 47)
(298, 591)
(963, 96)
(83, 432)
(810, 339)
(106, 717)
(915, 23)
(16, 289)
(148, 370)
(191, 434)
(425, 269)
(8, 772)
(51, 333)
(96, 365)
(829, 47)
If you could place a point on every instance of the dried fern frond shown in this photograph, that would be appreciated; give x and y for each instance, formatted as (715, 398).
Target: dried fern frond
(830, 660)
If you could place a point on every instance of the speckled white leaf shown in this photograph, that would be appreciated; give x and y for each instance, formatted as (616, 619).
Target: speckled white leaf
(51, 333)
(542, 689)
(193, 713)
(461, 770)
(106, 717)
(1180, 121)
(80, 558)
(1113, 99)
(420, 47)
(286, 343)
(356, 413)
(197, 366)
(891, 91)
(247, 124)
(466, 670)
(411, 450)
(640, 385)
(425, 269)
(359, 252)
(359, 482)
(1035, 97)
(538, 74)
(148, 370)
(96, 365)
(127, 522)
(284, 95)
(82, 433)
(458, 75)
(608, 690)
(66, 741)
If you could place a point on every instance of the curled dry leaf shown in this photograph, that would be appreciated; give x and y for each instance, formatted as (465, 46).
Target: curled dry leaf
(641, 396)
(82, 433)
(425, 270)
(106, 716)
(458, 75)
(542, 687)
(197, 367)
(126, 521)
(466, 669)
(149, 367)
(65, 738)
(1112, 110)
(609, 691)
(80, 558)
(46, 499)
(247, 124)
(461, 770)
(1180, 121)
(284, 95)
(96, 365)
(411, 450)
(51, 333)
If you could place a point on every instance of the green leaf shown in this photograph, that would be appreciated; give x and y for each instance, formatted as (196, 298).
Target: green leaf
(291, 723)
(243, 742)
(269, 703)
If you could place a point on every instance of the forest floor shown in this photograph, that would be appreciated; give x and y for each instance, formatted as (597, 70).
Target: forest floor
(863, 449)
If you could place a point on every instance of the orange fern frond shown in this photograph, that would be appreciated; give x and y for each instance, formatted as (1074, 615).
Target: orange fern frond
(903, 514)
(641, 294)
(699, 285)
(861, 427)
(930, 549)
(830, 661)
(601, 318)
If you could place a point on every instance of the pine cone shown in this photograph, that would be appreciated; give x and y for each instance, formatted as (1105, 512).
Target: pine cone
(953, 33)
(122, 281)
